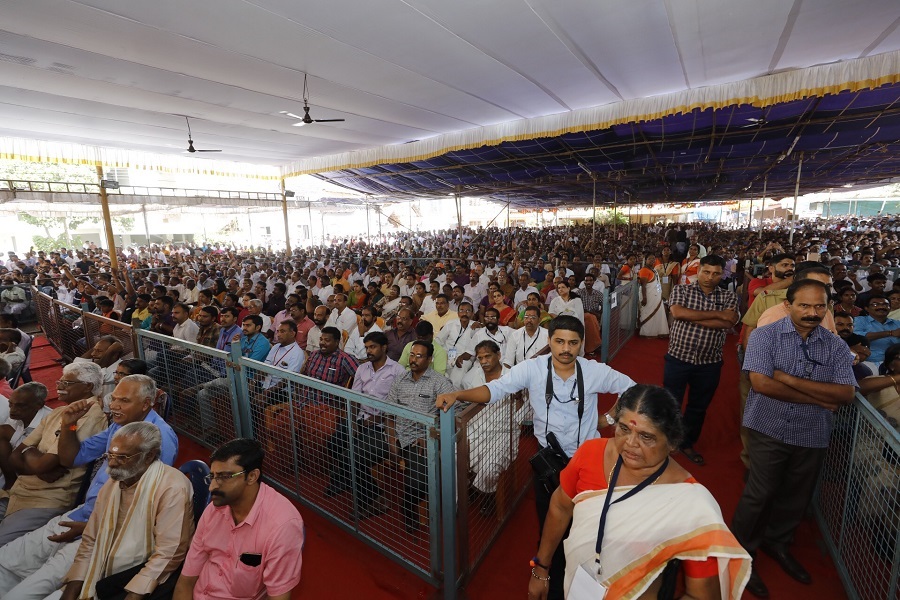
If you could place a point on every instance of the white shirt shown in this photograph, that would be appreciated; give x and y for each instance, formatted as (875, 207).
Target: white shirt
(427, 305)
(20, 431)
(453, 335)
(324, 293)
(522, 295)
(290, 358)
(186, 331)
(475, 292)
(109, 375)
(499, 337)
(563, 414)
(573, 307)
(521, 347)
(475, 378)
(598, 286)
(355, 346)
(345, 321)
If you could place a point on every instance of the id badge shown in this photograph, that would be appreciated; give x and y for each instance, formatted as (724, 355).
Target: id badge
(586, 583)
(451, 354)
(665, 279)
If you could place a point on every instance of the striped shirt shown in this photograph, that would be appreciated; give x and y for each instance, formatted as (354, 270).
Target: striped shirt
(778, 347)
(691, 342)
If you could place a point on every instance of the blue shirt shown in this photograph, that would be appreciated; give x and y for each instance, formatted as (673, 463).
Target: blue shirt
(225, 337)
(562, 416)
(778, 347)
(97, 445)
(863, 325)
(256, 347)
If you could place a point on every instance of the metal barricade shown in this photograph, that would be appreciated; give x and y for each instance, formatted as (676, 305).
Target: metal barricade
(857, 503)
(203, 403)
(25, 312)
(620, 318)
(321, 452)
(46, 318)
(69, 329)
(96, 326)
(494, 443)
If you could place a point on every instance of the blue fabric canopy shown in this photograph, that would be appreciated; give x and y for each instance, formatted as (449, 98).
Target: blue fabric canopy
(705, 155)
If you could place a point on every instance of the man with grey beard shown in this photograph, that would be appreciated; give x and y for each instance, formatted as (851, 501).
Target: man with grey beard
(141, 527)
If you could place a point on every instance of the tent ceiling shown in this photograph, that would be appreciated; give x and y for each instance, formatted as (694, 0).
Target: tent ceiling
(117, 74)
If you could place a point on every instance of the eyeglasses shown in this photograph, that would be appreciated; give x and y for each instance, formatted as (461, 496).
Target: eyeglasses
(66, 383)
(118, 457)
(221, 478)
(879, 305)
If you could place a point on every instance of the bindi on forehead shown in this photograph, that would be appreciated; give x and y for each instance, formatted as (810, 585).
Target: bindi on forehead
(633, 423)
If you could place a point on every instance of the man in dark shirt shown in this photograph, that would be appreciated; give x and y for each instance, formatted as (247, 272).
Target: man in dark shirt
(401, 334)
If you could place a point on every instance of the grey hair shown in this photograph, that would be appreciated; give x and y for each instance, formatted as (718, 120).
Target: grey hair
(148, 433)
(256, 303)
(5, 368)
(109, 339)
(87, 372)
(146, 386)
(36, 391)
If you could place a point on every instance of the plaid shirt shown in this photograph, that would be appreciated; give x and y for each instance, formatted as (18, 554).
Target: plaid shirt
(778, 346)
(591, 299)
(691, 342)
(418, 395)
(337, 367)
(208, 336)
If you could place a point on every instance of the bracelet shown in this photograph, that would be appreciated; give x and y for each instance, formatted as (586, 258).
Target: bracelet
(893, 379)
(73, 427)
(534, 562)
(538, 577)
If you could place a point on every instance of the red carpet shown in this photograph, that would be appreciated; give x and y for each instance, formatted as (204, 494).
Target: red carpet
(338, 566)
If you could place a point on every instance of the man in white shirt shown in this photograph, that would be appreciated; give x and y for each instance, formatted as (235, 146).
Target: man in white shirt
(342, 317)
(254, 306)
(526, 342)
(285, 354)
(456, 338)
(355, 346)
(524, 289)
(320, 318)
(408, 288)
(428, 304)
(474, 289)
(185, 328)
(26, 409)
(493, 331)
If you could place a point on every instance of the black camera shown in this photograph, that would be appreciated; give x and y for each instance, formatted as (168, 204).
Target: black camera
(548, 462)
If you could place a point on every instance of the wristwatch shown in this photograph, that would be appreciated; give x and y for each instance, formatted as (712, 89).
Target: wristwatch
(609, 419)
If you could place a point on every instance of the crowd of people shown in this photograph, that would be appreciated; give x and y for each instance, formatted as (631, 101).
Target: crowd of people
(430, 319)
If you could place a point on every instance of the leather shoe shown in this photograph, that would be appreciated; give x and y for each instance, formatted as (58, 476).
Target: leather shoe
(787, 562)
(756, 586)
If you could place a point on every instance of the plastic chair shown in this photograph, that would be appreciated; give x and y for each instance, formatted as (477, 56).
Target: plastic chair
(196, 471)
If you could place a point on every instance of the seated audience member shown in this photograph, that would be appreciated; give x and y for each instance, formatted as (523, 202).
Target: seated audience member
(859, 345)
(528, 341)
(401, 333)
(12, 322)
(355, 346)
(249, 541)
(883, 389)
(442, 315)
(285, 354)
(46, 487)
(881, 331)
(26, 411)
(9, 348)
(425, 333)
(34, 565)
(5, 389)
(329, 363)
(342, 317)
(140, 529)
(456, 338)
(106, 354)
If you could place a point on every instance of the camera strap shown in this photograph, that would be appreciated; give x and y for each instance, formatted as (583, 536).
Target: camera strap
(549, 395)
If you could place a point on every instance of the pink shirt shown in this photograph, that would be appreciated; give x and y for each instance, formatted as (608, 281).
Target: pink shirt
(273, 529)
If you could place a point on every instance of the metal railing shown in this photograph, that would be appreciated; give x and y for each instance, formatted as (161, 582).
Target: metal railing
(857, 502)
(320, 452)
(493, 445)
(620, 318)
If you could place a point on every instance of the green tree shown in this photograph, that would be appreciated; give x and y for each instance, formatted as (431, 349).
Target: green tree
(39, 171)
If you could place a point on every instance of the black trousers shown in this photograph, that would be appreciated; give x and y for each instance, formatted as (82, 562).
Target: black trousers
(371, 449)
(777, 493)
(558, 562)
(700, 382)
(415, 483)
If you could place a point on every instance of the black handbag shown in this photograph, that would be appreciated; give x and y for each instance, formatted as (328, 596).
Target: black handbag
(550, 460)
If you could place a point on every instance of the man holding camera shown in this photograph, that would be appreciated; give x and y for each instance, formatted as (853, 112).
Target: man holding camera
(563, 393)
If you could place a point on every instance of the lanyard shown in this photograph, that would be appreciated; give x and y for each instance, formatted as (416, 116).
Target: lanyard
(502, 336)
(612, 484)
(550, 396)
(249, 351)
(289, 349)
(530, 346)
(461, 332)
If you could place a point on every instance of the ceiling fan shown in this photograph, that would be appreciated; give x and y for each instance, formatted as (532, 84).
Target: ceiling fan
(306, 119)
(190, 147)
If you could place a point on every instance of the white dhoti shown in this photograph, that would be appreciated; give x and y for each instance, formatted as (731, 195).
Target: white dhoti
(32, 567)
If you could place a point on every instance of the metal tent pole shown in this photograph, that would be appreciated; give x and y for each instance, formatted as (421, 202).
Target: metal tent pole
(146, 225)
(796, 194)
(287, 229)
(762, 214)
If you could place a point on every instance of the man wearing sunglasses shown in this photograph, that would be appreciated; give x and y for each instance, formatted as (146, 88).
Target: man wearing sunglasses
(34, 565)
(249, 541)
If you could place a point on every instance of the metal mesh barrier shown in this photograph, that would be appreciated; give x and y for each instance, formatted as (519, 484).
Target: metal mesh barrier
(201, 396)
(96, 327)
(325, 448)
(69, 329)
(857, 503)
(494, 443)
(46, 317)
(620, 311)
